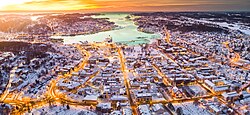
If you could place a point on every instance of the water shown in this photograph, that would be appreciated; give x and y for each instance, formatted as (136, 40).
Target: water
(128, 34)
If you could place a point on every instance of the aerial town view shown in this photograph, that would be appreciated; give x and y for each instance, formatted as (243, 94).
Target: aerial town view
(124, 57)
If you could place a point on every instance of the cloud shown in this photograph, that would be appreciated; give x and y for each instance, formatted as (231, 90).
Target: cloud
(133, 5)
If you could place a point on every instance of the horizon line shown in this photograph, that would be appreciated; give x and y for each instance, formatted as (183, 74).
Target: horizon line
(93, 11)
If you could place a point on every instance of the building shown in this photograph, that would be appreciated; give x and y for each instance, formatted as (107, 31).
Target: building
(104, 107)
(144, 110)
(231, 96)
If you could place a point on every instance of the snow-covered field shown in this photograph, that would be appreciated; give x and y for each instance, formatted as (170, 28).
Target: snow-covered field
(61, 110)
(239, 27)
(190, 109)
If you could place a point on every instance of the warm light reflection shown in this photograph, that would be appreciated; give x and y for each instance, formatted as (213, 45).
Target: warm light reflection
(226, 44)
(236, 58)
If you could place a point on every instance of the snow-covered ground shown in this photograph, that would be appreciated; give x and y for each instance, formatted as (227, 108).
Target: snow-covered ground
(199, 91)
(190, 109)
(239, 27)
(61, 110)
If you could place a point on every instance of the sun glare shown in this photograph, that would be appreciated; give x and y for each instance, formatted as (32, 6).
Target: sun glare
(4, 3)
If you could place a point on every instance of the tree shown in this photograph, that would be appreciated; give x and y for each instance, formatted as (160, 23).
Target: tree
(37, 81)
(63, 103)
(179, 111)
(32, 103)
(68, 107)
(29, 109)
(171, 107)
(241, 96)
(50, 104)
(17, 108)
(196, 102)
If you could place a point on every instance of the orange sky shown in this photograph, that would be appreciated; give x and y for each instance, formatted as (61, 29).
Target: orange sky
(123, 5)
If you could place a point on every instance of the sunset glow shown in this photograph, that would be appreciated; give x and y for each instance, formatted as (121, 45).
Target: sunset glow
(4, 3)
(122, 5)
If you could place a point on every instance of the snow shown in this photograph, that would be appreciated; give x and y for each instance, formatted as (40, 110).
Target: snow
(118, 97)
(190, 109)
(144, 109)
(58, 109)
(91, 97)
(197, 89)
(232, 27)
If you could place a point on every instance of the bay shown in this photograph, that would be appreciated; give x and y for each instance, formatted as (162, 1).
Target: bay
(126, 34)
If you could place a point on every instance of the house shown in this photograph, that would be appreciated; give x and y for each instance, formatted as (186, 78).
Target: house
(5, 109)
(67, 85)
(144, 110)
(214, 109)
(158, 109)
(126, 111)
(217, 86)
(143, 97)
(231, 96)
(176, 92)
(104, 107)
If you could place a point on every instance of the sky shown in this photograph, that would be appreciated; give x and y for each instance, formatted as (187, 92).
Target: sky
(125, 5)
